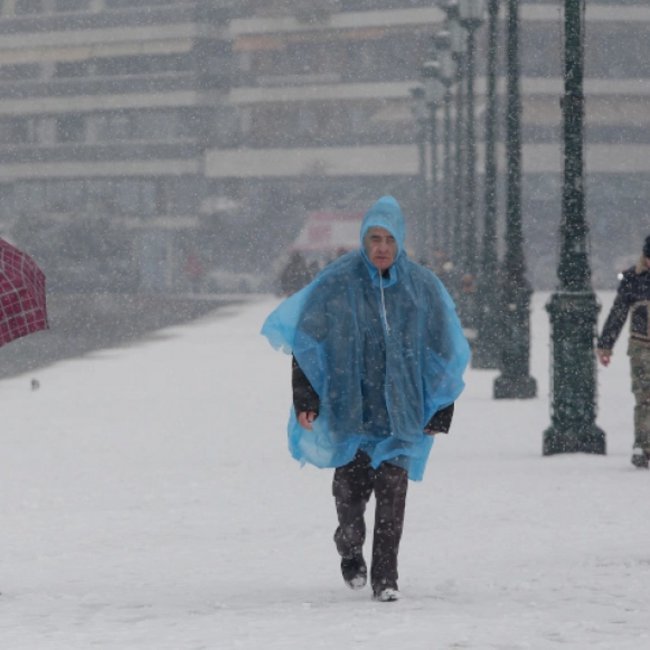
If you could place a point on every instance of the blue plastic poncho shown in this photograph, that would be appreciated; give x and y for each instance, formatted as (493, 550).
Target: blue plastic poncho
(383, 352)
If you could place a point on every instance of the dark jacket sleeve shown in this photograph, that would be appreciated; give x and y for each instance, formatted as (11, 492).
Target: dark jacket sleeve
(305, 398)
(617, 316)
(441, 420)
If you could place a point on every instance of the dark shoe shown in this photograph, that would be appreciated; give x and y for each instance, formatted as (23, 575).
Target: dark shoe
(386, 595)
(354, 571)
(640, 458)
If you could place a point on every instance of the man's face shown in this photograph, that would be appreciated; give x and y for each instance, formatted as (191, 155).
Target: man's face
(381, 247)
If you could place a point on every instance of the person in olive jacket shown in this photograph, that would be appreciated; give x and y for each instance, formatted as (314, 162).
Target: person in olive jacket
(633, 295)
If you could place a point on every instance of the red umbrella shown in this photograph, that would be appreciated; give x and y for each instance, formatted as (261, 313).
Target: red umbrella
(22, 294)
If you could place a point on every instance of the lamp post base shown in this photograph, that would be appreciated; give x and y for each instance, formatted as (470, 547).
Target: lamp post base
(515, 381)
(484, 355)
(514, 387)
(573, 420)
(589, 440)
(486, 348)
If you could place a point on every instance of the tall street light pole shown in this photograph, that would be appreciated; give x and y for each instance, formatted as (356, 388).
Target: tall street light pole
(442, 42)
(471, 15)
(458, 39)
(573, 308)
(485, 353)
(514, 381)
(433, 91)
(421, 115)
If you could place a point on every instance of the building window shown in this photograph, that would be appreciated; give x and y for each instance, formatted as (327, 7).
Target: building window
(132, 65)
(13, 130)
(19, 72)
(71, 5)
(128, 4)
(70, 128)
(71, 69)
(155, 125)
(101, 197)
(6, 200)
(29, 197)
(127, 197)
(25, 7)
(106, 128)
(65, 196)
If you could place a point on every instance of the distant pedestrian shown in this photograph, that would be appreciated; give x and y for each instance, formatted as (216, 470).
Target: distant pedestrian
(633, 294)
(295, 275)
(194, 271)
(378, 358)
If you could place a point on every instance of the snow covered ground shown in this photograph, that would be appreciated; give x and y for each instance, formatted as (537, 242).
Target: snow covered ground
(147, 501)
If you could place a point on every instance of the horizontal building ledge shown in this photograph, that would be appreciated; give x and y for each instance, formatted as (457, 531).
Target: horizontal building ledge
(66, 52)
(402, 160)
(417, 17)
(73, 169)
(400, 90)
(108, 102)
(381, 160)
(124, 34)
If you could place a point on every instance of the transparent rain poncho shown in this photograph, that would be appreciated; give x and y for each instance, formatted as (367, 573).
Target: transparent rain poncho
(384, 352)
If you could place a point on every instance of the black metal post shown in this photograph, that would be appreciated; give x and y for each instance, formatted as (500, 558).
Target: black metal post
(425, 190)
(573, 308)
(471, 16)
(459, 168)
(514, 381)
(458, 46)
(421, 119)
(446, 170)
(485, 353)
(471, 263)
(433, 90)
(442, 44)
(435, 199)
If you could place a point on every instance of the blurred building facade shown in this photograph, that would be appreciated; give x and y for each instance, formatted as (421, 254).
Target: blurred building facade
(106, 110)
(143, 129)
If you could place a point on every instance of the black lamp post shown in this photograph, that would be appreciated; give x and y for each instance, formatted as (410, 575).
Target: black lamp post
(421, 115)
(458, 39)
(442, 42)
(573, 307)
(471, 15)
(433, 92)
(485, 353)
(514, 381)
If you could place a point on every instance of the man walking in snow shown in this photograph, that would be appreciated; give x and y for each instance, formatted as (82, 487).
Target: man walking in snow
(378, 358)
(633, 294)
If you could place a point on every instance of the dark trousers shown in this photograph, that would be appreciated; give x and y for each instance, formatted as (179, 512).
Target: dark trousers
(352, 486)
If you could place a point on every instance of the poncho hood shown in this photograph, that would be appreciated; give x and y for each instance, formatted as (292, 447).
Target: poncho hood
(383, 352)
(385, 213)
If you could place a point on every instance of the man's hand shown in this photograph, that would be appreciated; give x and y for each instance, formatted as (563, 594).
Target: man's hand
(604, 356)
(306, 419)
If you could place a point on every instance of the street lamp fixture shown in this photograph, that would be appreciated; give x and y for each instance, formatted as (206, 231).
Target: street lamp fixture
(472, 13)
(457, 33)
(442, 45)
(431, 79)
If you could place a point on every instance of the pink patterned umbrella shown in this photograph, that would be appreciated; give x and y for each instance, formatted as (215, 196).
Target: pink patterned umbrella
(22, 294)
